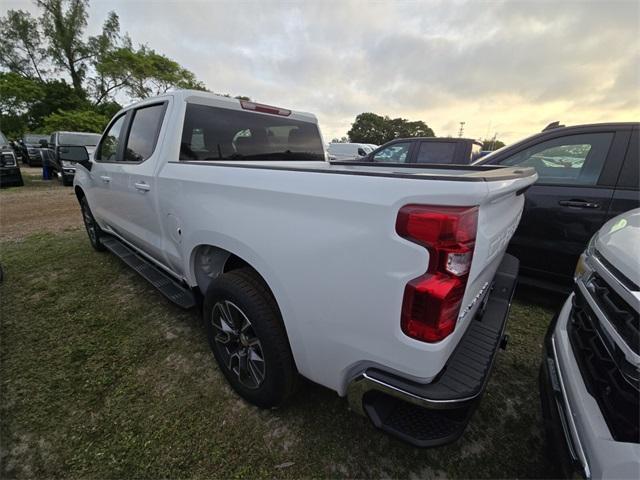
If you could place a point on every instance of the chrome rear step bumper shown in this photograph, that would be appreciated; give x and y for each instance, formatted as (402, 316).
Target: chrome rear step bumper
(437, 413)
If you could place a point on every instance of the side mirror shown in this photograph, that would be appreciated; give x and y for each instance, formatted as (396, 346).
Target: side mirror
(44, 143)
(75, 154)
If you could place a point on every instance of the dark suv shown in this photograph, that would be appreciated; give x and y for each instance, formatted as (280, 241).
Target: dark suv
(30, 146)
(587, 174)
(63, 169)
(426, 150)
(10, 174)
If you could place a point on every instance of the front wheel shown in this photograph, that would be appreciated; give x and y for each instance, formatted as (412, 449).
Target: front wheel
(93, 229)
(248, 339)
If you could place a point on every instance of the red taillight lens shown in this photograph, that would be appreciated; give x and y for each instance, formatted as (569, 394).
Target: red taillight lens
(432, 301)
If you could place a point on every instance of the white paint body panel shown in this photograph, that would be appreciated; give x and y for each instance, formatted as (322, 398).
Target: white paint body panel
(325, 243)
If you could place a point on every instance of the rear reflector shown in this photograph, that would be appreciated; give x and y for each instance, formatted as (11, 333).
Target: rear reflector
(259, 107)
(432, 301)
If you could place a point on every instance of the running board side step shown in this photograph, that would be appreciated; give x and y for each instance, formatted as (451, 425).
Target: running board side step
(174, 291)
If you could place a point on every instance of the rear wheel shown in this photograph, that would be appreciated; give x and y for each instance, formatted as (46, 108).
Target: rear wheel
(93, 230)
(248, 339)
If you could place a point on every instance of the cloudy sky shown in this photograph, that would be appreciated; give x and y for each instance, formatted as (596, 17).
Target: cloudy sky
(502, 67)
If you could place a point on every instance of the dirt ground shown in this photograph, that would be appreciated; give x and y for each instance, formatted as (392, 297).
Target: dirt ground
(39, 206)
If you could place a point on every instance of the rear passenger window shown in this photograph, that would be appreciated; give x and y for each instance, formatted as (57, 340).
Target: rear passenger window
(143, 133)
(570, 160)
(436, 152)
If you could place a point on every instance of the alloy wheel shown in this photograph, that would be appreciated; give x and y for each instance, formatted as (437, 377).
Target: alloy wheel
(238, 343)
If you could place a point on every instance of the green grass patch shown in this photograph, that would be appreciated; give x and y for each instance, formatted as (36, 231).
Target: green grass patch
(101, 377)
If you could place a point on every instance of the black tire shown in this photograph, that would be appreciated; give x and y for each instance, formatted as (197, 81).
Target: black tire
(241, 292)
(65, 180)
(93, 229)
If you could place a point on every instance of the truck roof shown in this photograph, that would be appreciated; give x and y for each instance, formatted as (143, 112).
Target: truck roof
(217, 100)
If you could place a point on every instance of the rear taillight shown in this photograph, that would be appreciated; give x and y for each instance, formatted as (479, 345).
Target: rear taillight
(432, 301)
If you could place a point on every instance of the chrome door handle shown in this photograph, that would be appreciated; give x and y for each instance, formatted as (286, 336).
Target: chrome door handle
(143, 187)
(105, 179)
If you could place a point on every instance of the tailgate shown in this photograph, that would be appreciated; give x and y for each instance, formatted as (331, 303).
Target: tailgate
(498, 219)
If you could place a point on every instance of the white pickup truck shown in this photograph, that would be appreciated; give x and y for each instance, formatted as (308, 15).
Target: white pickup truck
(386, 283)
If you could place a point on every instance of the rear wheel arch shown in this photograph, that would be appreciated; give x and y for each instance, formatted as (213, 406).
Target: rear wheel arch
(208, 262)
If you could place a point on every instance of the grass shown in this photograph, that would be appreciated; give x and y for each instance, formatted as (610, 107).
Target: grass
(101, 377)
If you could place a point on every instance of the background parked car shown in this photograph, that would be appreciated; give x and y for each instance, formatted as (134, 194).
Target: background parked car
(30, 146)
(426, 150)
(587, 175)
(589, 380)
(63, 169)
(10, 174)
(348, 151)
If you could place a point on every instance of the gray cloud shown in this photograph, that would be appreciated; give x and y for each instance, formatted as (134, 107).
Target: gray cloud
(512, 66)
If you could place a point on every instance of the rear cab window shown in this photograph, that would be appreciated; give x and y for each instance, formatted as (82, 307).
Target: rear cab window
(214, 133)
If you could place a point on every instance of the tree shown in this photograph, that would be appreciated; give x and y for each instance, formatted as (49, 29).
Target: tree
(109, 75)
(99, 67)
(20, 49)
(371, 128)
(18, 95)
(150, 73)
(492, 144)
(76, 120)
(64, 30)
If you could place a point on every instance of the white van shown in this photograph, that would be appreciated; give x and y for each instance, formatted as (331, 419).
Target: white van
(348, 151)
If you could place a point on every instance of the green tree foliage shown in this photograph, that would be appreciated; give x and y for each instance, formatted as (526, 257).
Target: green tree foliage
(371, 128)
(24, 102)
(35, 50)
(63, 23)
(17, 96)
(492, 144)
(76, 120)
(144, 72)
(21, 49)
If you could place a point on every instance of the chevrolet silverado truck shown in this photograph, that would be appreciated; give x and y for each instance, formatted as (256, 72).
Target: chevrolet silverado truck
(590, 372)
(386, 284)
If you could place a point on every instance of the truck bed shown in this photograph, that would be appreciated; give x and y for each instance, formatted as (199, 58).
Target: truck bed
(459, 173)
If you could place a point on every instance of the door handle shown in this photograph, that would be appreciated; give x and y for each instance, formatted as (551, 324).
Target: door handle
(578, 204)
(143, 187)
(105, 179)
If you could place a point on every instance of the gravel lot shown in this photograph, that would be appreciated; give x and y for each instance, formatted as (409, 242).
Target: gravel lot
(39, 206)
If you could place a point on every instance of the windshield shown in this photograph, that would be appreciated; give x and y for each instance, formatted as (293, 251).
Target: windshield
(211, 133)
(487, 157)
(35, 139)
(3, 139)
(86, 139)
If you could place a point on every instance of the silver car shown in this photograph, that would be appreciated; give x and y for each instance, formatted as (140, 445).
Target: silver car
(590, 373)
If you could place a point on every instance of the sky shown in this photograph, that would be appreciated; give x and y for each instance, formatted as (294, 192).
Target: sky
(505, 68)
